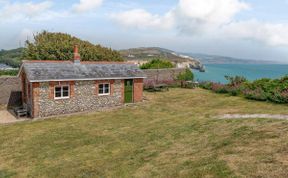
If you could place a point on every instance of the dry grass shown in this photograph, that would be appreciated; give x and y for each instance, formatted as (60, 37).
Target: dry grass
(175, 134)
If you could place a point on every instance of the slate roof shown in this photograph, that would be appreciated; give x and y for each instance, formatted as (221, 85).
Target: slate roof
(64, 71)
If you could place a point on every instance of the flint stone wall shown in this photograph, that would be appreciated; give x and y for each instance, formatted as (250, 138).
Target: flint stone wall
(84, 99)
(161, 76)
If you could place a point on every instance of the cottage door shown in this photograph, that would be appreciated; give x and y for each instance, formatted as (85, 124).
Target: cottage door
(128, 91)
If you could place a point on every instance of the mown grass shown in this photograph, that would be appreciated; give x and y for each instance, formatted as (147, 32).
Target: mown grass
(174, 134)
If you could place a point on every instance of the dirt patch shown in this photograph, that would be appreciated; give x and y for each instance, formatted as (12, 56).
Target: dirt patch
(253, 116)
(6, 117)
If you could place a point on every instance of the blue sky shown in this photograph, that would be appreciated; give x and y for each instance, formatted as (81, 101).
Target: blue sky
(239, 28)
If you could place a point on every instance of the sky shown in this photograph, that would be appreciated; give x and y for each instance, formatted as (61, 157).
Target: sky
(251, 29)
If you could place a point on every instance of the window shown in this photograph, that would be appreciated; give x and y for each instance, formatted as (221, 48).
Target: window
(104, 89)
(61, 92)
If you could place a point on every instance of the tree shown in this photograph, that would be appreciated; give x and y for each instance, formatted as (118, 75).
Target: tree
(157, 63)
(59, 46)
(186, 75)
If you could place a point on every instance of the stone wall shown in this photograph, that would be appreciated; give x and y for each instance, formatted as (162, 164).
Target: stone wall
(85, 98)
(166, 76)
(10, 91)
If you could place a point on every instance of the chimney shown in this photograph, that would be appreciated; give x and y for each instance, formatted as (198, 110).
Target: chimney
(76, 59)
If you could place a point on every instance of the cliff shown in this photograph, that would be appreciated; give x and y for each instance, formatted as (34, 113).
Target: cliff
(143, 55)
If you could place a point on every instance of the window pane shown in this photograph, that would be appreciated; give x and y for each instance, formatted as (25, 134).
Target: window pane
(106, 85)
(106, 90)
(65, 93)
(57, 94)
(101, 90)
(65, 88)
(57, 89)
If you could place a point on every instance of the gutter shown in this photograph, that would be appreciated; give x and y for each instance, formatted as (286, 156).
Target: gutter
(85, 79)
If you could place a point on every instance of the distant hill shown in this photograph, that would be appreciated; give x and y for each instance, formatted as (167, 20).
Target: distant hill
(215, 59)
(145, 54)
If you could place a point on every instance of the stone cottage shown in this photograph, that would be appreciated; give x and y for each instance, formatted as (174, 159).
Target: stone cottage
(62, 87)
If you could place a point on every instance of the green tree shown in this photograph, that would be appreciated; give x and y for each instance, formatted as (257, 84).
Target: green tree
(187, 75)
(59, 46)
(157, 64)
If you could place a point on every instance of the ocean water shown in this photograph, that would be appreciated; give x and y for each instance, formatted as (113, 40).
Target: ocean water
(216, 72)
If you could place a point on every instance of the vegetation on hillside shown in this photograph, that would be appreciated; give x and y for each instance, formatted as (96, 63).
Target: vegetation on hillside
(157, 63)
(59, 46)
(8, 72)
(274, 90)
(176, 134)
(11, 57)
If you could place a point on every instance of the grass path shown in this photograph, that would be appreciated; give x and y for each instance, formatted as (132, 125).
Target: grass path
(174, 134)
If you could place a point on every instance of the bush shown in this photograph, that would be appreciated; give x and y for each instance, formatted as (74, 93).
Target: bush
(279, 96)
(234, 90)
(8, 72)
(261, 90)
(219, 88)
(258, 94)
(205, 85)
(235, 81)
(157, 64)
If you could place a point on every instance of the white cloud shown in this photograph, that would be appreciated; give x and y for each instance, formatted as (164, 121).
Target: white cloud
(141, 19)
(214, 19)
(187, 15)
(194, 15)
(87, 5)
(269, 33)
(28, 10)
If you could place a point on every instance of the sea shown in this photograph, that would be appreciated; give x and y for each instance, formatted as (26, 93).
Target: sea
(217, 72)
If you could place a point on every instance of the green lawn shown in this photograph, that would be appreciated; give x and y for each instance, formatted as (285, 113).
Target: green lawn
(174, 134)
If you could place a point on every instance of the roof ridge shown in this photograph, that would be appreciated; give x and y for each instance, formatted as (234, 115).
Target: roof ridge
(82, 62)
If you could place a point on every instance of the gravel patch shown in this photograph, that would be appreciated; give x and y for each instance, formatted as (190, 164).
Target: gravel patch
(253, 116)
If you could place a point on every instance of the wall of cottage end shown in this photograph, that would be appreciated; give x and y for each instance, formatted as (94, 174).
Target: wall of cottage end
(83, 97)
(138, 90)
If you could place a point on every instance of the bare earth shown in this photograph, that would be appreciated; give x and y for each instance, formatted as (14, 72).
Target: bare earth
(6, 117)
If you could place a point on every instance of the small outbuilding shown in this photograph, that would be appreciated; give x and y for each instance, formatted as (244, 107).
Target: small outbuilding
(63, 87)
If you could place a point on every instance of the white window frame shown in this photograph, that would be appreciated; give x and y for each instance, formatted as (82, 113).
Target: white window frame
(109, 89)
(61, 97)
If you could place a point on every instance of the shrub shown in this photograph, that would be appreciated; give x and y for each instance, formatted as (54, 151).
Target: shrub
(205, 85)
(235, 81)
(234, 90)
(219, 88)
(157, 64)
(279, 96)
(261, 90)
(257, 94)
